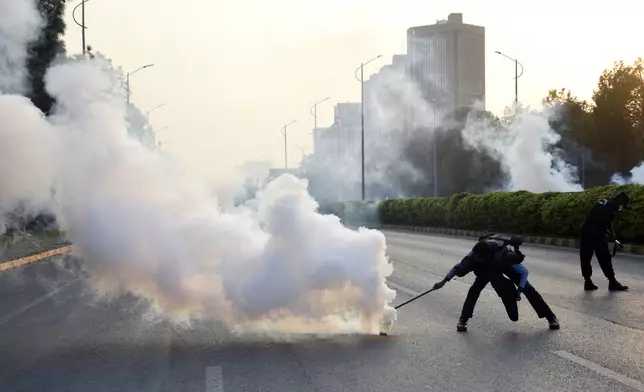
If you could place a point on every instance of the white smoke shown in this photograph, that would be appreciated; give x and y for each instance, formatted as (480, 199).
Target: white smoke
(242, 184)
(636, 177)
(393, 107)
(28, 148)
(144, 226)
(522, 147)
(20, 25)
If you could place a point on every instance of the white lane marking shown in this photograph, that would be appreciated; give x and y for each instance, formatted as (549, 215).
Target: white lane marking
(25, 308)
(638, 386)
(402, 288)
(214, 379)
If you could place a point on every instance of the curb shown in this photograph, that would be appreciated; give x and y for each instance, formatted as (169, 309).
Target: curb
(557, 242)
(9, 265)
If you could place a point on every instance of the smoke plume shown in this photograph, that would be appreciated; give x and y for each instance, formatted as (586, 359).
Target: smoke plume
(143, 226)
(636, 176)
(523, 147)
(20, 25)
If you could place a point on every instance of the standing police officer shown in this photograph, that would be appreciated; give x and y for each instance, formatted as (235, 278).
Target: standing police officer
(594, 232)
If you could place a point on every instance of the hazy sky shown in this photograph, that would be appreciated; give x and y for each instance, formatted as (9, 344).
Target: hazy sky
(232, 72)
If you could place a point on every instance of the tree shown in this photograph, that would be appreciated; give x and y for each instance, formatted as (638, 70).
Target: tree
(618, 116)
(45, 50)
(572, 119)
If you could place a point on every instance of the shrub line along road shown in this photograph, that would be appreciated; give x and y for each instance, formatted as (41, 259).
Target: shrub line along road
(61, 338)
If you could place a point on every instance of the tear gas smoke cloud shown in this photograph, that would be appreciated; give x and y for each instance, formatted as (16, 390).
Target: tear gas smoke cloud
(393, 105)
(522, 147)
(144, 226)
(27, 170)
(242, 184)
(399, 163)
(19, 26)
(636, 177)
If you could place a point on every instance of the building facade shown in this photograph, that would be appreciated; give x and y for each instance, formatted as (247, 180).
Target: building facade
(446, 60)
(343, 138)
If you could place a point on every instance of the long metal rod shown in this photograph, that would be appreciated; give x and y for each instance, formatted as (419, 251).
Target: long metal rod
(415, 298)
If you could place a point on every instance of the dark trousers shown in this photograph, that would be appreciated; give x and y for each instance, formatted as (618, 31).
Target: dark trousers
(506, 290)
(537, 302)
(597, 244)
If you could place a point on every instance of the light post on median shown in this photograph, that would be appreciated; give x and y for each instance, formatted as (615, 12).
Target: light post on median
(285, 144)
(314, 112)
(82, 23)
(155, 133)
(516, 75)
(147, 113)
(361, 80)
(127, 82)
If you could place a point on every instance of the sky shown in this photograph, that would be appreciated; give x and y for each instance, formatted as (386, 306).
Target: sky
(233, 72)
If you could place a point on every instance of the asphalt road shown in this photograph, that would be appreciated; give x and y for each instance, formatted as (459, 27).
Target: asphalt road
(55, 336)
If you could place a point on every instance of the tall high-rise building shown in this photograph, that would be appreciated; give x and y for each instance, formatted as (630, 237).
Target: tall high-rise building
(342, 138)
(447, 62)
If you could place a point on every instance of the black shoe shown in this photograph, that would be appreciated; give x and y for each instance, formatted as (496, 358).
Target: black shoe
(461, 326)
(589, 285)
(614, 285)
(553, 323)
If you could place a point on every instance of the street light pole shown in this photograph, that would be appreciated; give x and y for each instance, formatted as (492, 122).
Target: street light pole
(517, 64)
(82, 23)
(285, 144)
(128, 79)
(314, 112)
(147, 114)
(361, 80)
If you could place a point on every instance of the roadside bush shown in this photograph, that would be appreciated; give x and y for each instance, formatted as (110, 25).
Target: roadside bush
(549, 214)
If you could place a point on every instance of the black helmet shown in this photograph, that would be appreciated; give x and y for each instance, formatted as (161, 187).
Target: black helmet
(516, 240)
(622, 198)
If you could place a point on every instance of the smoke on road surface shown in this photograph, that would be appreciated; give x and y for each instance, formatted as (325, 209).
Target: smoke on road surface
(144, 226)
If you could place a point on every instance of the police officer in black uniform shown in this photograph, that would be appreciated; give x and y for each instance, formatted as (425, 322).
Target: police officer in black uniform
(490, 260)
(594, 232)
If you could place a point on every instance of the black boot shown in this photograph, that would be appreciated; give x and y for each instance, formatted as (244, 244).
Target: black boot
(462, 325)
(589, 285)
(614, 285)
(553, 323)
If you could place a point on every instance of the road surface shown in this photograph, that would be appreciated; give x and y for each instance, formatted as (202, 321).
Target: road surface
(55, 336)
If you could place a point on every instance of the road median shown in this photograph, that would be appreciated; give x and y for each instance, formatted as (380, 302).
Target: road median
(13, 264)
(549, 241)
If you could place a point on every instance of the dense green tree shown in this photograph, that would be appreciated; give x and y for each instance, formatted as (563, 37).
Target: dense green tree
(618, 116)
(607, 132)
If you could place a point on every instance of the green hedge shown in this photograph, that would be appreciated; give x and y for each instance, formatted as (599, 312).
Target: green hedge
(540, 214)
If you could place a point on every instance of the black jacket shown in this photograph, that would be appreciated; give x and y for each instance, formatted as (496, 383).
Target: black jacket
(502, 258)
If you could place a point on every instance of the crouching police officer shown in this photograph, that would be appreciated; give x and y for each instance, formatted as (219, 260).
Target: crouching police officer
(493, 262)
